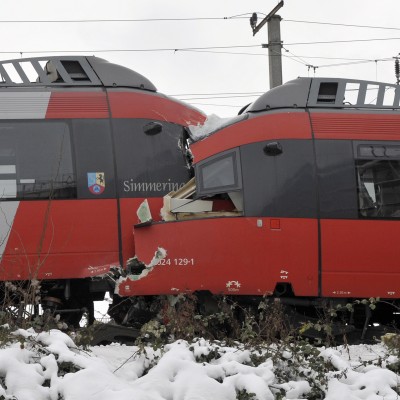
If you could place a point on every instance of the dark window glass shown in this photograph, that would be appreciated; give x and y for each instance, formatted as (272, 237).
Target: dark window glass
(94, 162)
(378, 188)
(337, 180)
(36, 161)
(219, 174)
(280, 185)
(149, 165)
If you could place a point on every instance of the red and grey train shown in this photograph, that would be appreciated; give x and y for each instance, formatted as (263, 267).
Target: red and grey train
(79, 151)
(297, 197)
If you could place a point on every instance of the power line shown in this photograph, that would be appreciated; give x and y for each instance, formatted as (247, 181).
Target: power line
(352, 62)
(342, 41)
(61, 21)
(127, 50)
(216, 94)
(192, 48)
(288, 51)
(218, 105)
(225, 52)
(219, 97)
(355, 62)
(233, 17)
(335, 58)
(296, 58)
(339, 24)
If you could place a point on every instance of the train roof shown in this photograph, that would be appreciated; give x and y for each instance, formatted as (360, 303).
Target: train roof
(69, 71)
(329, 93)
(316, 93)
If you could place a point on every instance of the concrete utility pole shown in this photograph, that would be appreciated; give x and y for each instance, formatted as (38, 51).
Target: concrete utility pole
(274, 43)
(275, 51)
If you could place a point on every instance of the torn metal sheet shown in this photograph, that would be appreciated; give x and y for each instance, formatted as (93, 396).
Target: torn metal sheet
(143, 212)
(141, 268)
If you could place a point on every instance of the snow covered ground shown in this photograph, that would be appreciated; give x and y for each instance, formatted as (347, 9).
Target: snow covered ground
(49, 365)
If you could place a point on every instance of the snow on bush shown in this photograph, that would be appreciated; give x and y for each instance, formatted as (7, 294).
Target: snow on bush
(49, 366)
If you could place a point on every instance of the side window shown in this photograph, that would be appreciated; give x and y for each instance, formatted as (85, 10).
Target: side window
(219, 174)
(378, 180)
(336, 181)
(279, 185)
(36, 161)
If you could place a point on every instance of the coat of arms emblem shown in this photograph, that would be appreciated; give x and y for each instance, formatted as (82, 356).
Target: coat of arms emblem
(96, 182)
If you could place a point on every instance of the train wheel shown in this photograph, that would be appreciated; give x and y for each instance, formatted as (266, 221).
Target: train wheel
(75, 311)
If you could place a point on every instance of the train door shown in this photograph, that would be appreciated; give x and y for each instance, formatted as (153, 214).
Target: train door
(54, 224)
(360, 210)
(280, 187)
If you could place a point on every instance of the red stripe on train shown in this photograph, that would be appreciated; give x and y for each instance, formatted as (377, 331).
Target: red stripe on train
(140, 105)
(77, 105)
(288, 125)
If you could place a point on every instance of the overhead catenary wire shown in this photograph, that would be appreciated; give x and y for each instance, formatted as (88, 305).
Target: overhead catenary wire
(342, 41)
(226, 52)
(302, 59)
(292, 56)
(172, 19)
(354, 63)
(341, 24)
(61, 21)
(220, 97)
(285, 55)
(217, 49)
(183, 49)
(218, 105)
(295, 57)
(217, 95)
(214, 94)
(173, 49)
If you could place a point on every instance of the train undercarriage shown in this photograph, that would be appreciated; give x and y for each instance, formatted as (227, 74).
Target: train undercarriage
(340, 319)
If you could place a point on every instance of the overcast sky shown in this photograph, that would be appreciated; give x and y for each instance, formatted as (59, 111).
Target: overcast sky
(212, 72)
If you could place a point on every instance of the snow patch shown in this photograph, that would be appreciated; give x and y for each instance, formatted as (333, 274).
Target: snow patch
(33, 367)
(211, 124)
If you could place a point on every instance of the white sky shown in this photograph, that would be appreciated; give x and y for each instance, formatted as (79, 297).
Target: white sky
(210, 73)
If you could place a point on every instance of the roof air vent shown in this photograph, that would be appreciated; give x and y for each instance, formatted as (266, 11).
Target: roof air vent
(75, 70)
(327, 92)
